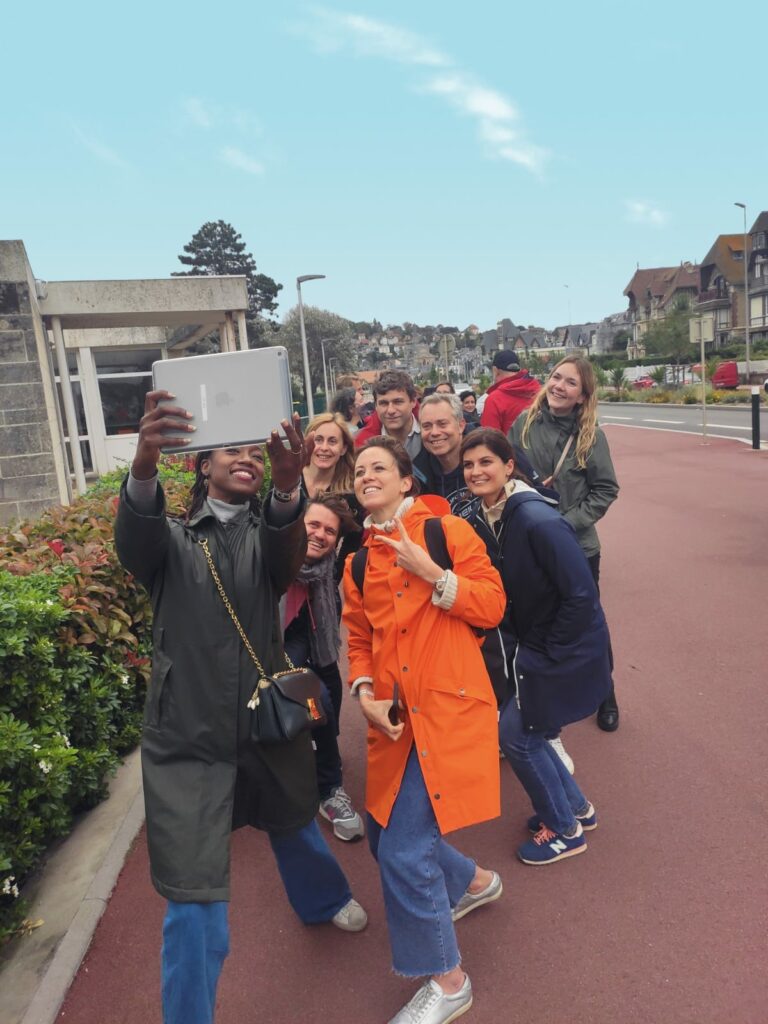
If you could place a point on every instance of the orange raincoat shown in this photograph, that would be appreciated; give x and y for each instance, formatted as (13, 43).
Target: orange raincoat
(396, 633)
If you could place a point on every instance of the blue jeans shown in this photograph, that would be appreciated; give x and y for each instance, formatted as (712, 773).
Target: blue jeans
(196, 935)
(422, 877)
(552, 790)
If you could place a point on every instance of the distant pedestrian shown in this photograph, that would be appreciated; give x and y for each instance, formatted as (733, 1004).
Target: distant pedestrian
(203, 773)
(469, 408)
(347, 404)
(554, 635)
(512, 391)
(560, 435)
(445, 388)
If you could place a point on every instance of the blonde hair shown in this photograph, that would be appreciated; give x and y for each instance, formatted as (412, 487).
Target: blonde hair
(344, 470)
(586, 415)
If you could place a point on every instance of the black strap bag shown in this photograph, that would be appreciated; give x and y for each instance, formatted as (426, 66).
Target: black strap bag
(284, 704)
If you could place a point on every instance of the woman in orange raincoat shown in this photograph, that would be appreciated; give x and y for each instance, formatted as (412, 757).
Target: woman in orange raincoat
(433, 763)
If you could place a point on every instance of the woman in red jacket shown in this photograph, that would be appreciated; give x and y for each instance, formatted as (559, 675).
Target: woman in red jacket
(415, 664)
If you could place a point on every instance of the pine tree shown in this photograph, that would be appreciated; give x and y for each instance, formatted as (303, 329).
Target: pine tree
(218, 249)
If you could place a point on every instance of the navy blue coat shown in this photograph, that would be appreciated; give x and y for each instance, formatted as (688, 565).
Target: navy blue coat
(554, 630)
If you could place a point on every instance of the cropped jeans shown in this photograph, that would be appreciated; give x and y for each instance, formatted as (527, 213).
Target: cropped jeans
(196, 935)
(422, 877)
(553, 792)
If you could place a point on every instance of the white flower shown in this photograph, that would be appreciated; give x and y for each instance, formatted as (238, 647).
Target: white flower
(44, 766)
(9, 889)
(65, 739)
(124, 680)
(49, 603)
(35, 746)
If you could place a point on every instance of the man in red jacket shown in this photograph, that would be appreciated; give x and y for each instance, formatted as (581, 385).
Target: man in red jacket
(512, 391)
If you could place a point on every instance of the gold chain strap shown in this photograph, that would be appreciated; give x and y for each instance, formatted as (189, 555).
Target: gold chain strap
(263, 680)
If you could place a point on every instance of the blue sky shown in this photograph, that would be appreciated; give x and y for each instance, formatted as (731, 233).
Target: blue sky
(439, 163)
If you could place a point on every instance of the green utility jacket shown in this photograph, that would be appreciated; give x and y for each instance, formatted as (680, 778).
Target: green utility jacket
(585, 494)
(203, 776)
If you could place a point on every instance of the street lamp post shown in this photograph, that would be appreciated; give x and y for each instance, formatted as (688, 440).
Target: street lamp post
(703, 382)
(746, 291)
(325, 371)
(304, 353)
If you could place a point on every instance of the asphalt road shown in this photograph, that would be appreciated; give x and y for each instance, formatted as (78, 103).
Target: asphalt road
(662, 920)
(722, 420)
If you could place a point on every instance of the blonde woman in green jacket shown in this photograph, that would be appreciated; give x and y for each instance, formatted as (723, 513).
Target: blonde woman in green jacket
(563, 418)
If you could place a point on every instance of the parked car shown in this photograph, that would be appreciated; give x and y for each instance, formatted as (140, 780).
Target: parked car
(643, 382)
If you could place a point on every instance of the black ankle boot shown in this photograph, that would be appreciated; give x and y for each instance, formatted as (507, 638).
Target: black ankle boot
(608, 714)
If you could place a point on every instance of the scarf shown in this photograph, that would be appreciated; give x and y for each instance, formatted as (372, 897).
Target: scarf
(316, 585)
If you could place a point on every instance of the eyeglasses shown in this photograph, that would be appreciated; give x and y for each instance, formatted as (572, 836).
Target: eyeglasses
(392, 714)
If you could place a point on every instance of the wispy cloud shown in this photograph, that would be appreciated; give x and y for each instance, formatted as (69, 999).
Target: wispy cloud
(331, 31)
(495, 115)
(640, 211)
(96, 148)
(198, 112)
(241, 161)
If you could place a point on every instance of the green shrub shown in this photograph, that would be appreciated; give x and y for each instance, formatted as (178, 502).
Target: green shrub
(74, 664)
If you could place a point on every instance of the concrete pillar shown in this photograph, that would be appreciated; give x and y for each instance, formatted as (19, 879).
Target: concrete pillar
(242, 330)
(32, 470)
(69, 405)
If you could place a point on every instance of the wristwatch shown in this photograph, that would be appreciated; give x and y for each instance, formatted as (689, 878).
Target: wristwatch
(441, 583)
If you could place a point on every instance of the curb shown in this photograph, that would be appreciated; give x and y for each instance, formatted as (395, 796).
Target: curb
(70, 893)
(70, 952)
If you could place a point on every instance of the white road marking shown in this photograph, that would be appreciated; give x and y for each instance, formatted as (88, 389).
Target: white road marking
(607, 416)
(676, 422)
(694, 433)
(728, 426)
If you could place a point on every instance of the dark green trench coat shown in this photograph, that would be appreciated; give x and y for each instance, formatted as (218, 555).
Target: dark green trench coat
(202, 775)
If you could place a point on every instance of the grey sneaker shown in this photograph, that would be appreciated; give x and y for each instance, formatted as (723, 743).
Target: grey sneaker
(431, 1005)
(562, 753)
(471, 901)
(351, 917)
(338, 809)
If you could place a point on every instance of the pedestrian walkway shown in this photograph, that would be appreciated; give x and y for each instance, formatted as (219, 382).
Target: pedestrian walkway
(661, 921)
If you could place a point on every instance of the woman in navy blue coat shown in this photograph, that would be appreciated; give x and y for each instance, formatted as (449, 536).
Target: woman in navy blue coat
(555, 640)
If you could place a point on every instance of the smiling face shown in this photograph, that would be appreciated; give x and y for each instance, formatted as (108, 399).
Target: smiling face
(469, 404)
(395, 411)
(322, 532)
(564, 389)
(234, 474)
(330, 445)
(441, 433)
(485, 474)
(378, 485)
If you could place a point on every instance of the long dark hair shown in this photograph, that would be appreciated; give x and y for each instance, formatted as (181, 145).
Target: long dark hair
(398, 453)
(198, 492)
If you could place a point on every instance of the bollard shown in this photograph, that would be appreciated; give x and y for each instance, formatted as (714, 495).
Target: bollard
(756, 417)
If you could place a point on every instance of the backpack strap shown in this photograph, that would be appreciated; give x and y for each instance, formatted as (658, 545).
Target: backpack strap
(359, 561)
(434, 536)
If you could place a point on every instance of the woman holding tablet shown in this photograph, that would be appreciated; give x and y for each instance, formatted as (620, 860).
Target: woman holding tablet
(203, 774)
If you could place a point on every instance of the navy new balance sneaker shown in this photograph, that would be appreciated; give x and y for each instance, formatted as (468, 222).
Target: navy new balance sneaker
(547, 846)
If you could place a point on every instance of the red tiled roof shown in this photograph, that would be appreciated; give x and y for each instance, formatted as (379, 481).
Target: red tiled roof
(662, 282)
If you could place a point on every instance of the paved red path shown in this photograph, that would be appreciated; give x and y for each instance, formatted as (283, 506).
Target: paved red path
(663, 920)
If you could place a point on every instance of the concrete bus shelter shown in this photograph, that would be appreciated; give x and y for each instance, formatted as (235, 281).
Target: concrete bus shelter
(76, 361)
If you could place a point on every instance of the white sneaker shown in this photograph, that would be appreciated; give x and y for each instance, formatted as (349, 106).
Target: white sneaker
(431, 1005)
(351, 917)
(562, 753)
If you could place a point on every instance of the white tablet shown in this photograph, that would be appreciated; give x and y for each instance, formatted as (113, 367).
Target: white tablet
(235, 398)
